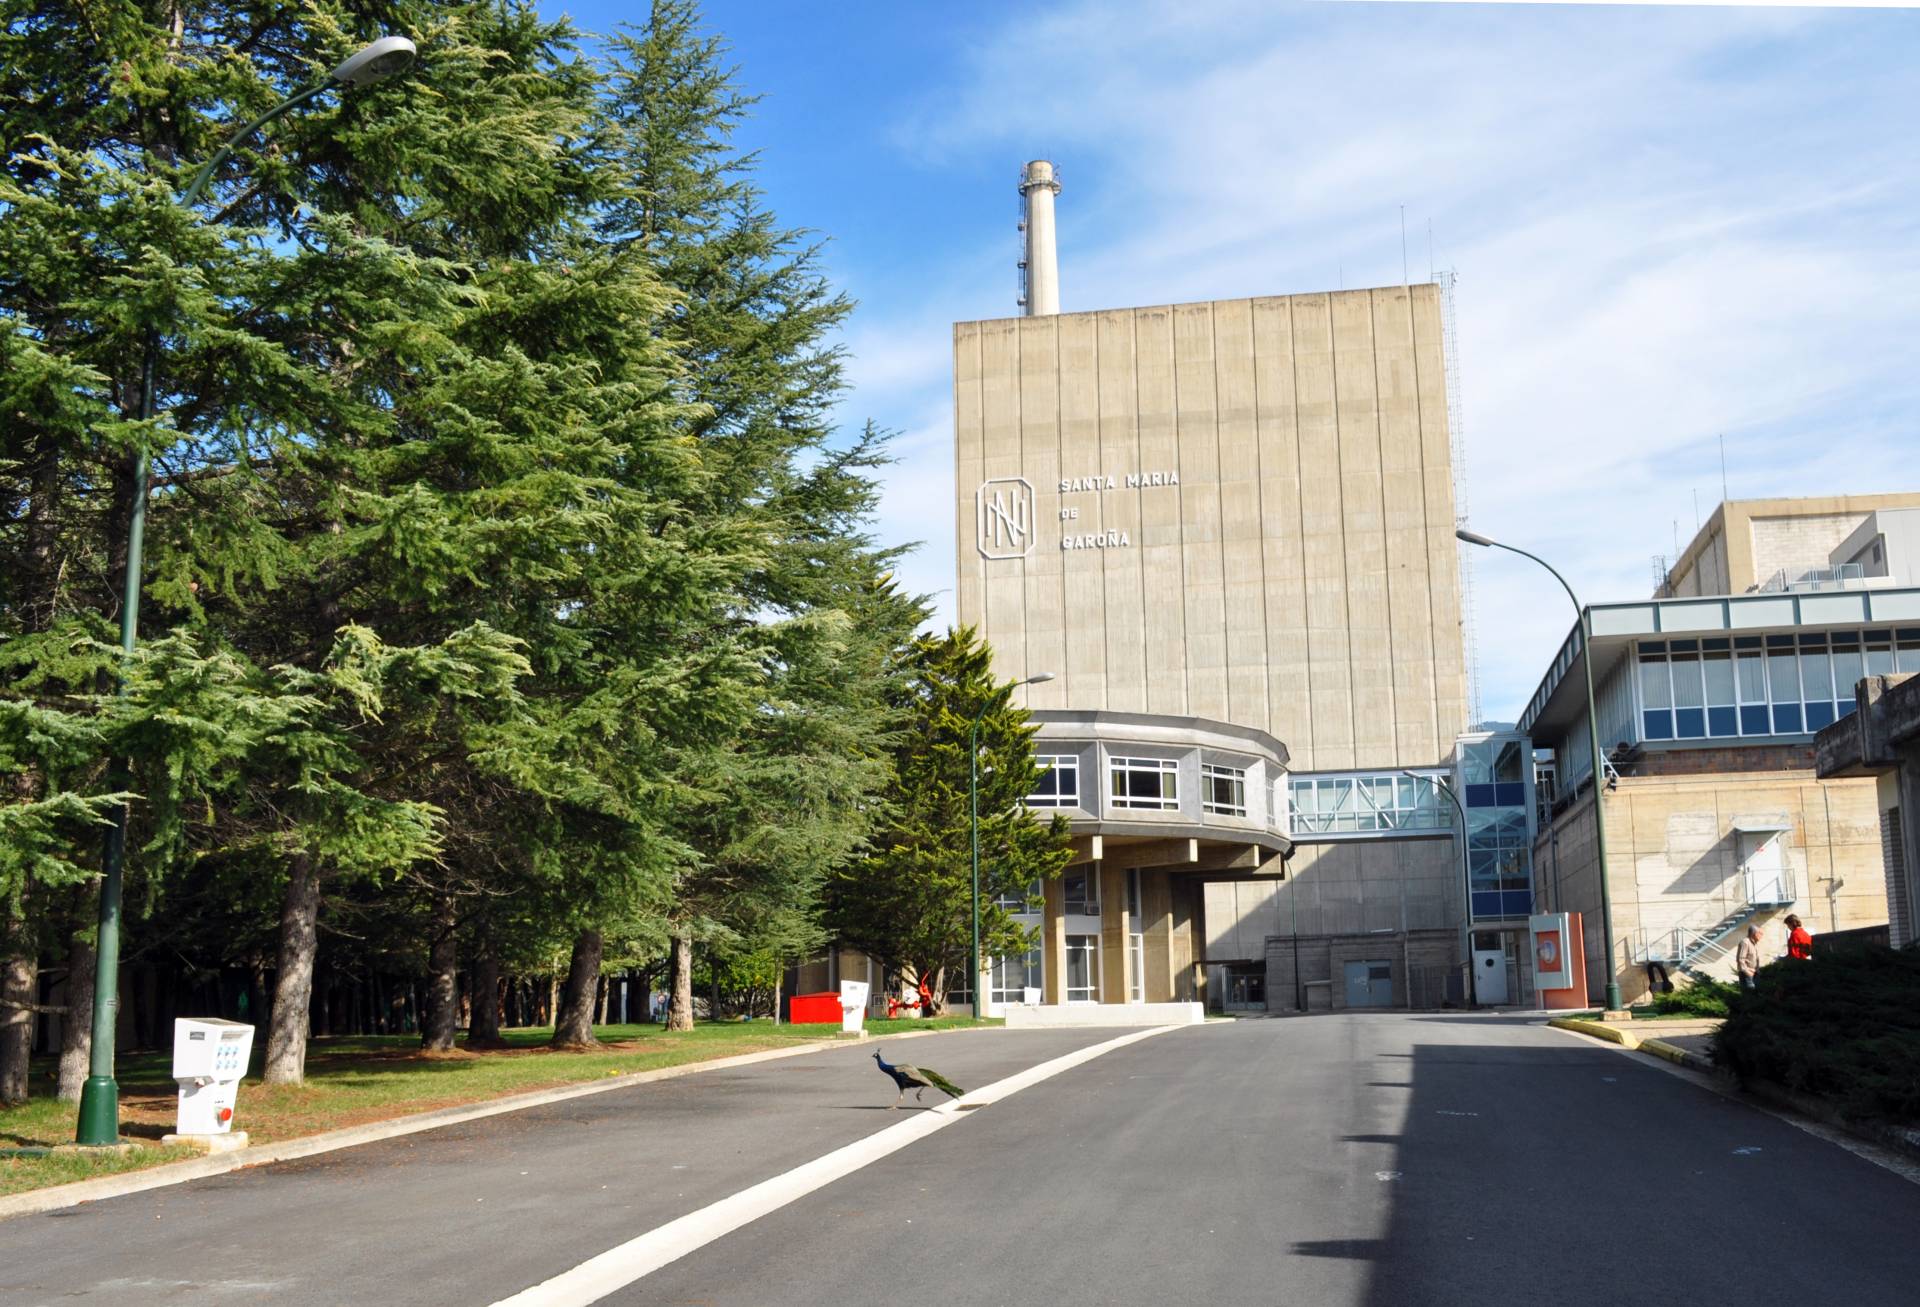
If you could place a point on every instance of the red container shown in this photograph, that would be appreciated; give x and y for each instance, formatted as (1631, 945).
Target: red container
(814, 1010)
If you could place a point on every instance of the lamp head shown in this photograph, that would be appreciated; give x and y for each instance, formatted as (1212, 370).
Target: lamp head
(376, 62)
(1472, 537)
(1038, 677)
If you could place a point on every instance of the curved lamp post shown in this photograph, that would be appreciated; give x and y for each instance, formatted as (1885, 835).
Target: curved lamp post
(973, 827)
(1593, 746)
(99, 1122)
(1466, 876)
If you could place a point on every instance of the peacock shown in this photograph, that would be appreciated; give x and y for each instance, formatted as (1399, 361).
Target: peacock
(917, 1078)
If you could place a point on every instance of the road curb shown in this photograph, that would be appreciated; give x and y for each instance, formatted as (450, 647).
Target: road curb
(1673, 1053)
(1785, 1101)
(55, 1197)
(1597, 1030)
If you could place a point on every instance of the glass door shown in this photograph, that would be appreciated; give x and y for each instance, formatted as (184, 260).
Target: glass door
(1082, 971)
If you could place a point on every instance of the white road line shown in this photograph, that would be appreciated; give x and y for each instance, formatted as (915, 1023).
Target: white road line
(637, 1258)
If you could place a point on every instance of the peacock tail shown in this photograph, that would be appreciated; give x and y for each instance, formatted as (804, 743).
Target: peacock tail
(941, 1083)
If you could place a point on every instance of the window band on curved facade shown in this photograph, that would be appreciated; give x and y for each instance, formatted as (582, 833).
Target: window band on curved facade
(1152, 783)
(1059, 783)
(1782, 684)
(1223, 789)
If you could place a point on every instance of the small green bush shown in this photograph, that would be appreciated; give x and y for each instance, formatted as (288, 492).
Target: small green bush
(1699, 998)
(1844, 1026)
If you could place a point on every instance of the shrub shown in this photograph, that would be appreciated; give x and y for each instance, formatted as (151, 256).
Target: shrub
(1844, 1026)
(1700, 998)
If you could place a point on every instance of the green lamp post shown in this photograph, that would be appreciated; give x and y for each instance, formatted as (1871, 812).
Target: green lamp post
(973, 826)
(1593, 745)
(99, 1122)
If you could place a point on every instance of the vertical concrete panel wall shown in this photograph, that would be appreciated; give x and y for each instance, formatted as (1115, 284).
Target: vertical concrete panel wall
(1283, 556)
(1674, 858)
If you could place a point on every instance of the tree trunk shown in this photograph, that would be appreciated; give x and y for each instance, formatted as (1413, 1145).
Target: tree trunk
(293, 987)
(19, 968)
(483, 1027)
(443, 996)
(680, 1003)
(76, 1028)
(573, 1023)
(549, 1014)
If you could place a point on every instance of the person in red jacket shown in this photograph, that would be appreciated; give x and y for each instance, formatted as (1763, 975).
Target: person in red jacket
(1799, 942)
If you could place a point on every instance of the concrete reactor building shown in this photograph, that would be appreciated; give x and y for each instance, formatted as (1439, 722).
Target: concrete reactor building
(1227, 529)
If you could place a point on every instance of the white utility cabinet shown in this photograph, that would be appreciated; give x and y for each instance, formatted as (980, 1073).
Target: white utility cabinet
(209, 1059)
(853, 1006)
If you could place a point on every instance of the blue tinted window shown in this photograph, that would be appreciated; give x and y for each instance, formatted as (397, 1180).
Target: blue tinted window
(1818, 715)
(1481, 796)
(1516, 903)
(1753, 720)
(1486, 903)
(1847, 706)
(1511, 794)
(1786, 718)
(1689, 723)
(1722, 721)
(1659, 725)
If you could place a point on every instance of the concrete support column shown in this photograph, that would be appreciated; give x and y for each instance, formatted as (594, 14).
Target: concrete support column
(1113, 932)
(1053, 942)
(1156, 906)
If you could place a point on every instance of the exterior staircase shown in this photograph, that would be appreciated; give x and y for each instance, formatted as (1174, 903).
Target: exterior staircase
(1703, 942)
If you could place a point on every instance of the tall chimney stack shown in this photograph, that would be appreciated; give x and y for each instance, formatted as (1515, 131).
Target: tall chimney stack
(1042, 267)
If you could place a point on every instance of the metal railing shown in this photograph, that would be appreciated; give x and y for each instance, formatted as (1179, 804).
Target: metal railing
(1712, 930)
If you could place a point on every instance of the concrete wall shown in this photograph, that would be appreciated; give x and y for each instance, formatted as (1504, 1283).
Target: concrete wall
(1420, 961)
(1286, 560)
(1337, 888)
(1746, 541)
(1892, 532)
(1673, 857)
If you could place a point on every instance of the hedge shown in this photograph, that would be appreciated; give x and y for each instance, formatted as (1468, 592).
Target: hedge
(1844, 1026)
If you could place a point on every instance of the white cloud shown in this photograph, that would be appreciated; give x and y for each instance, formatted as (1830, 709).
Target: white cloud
(1668, 225)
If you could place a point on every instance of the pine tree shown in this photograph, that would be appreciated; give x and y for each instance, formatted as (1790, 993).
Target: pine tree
(776, 803)
(908, 902)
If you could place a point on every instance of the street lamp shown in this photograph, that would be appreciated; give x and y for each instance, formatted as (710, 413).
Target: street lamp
(1593, 745)
(973, 826)
(1466, 877)
(99, 1122)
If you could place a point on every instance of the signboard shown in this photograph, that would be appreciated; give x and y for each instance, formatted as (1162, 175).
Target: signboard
(1559, 960)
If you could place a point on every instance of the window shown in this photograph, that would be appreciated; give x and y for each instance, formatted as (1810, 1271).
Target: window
(1223, 790)
(1024, 901)
(1716, 663)
(1059, 783)
(1082, 895)
(1145, 783)
(1721, 688)
(1082, 958)
(1340, 805)
(1010, 978)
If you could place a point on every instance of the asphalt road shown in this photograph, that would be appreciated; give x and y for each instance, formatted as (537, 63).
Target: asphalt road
(1365, 1159)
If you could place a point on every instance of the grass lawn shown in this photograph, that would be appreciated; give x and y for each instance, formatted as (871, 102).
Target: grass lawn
(358, 1080)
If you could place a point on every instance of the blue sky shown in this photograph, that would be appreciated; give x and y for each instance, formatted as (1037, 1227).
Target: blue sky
(1668, 225)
